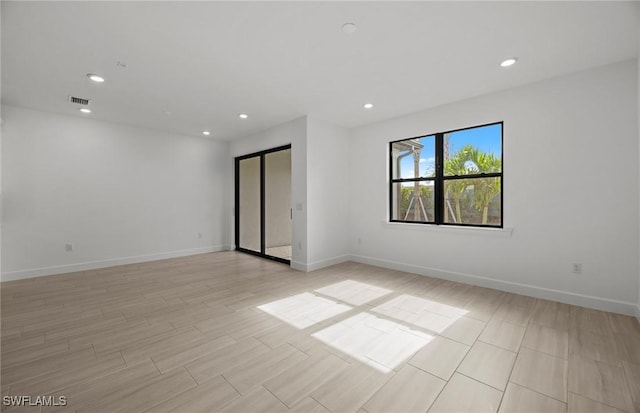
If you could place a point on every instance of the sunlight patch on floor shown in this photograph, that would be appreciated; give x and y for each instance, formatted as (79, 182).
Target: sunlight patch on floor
(383, 340)
(303, 310)
(380, 343)
(353, 292)
(428, 314)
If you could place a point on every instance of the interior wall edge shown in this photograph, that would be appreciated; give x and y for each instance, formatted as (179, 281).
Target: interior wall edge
(567, 297)
(313, 266)
(112, 262)
(297, 265)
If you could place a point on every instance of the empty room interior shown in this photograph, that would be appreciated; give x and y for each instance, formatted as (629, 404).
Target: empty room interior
(320, 207)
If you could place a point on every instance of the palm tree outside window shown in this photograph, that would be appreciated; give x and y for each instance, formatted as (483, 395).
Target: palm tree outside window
(451, 178)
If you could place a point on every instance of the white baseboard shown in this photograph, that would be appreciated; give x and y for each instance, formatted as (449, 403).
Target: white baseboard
(92, 265)
(300, 266)
(566, 297)
(328, 262)
(599, 303)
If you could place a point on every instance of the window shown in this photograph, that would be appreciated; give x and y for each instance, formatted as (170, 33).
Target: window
(448, 178)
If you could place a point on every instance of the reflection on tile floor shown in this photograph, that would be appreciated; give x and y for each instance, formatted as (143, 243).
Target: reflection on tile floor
(430, 315)
(283, 251)
(383, 341)
(380, 343)
(303, 310)
(103, 337)
(353, 292)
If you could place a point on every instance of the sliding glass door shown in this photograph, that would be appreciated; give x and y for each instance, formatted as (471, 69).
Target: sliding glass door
(277, 204)
(263, 203)
(249, 213)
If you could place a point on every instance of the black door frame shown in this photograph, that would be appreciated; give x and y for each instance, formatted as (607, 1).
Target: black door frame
(261, 253)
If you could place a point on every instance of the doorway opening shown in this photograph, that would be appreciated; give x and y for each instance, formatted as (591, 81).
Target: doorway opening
(263, 214)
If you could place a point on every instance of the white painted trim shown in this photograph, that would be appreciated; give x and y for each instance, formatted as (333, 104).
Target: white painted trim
(300, 266)
(328, 262)
(450, 229)
(567, 297)
(92, 265)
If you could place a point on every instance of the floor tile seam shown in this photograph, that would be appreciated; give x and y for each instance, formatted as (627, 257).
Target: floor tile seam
(277, 398)
(598, 401)
(516, 360)
(486, 384)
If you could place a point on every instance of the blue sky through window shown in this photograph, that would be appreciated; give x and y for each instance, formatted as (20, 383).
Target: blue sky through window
(486, 138)
(427, 159)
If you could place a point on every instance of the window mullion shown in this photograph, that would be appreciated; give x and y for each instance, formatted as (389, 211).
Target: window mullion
(439, 183)
(469, 195)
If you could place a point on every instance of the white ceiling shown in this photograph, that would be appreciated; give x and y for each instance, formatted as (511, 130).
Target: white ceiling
(206, 62)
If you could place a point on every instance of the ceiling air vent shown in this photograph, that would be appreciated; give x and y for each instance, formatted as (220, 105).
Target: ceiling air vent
(79, 101)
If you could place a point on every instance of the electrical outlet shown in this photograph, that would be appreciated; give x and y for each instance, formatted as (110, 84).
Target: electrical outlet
(359, 240)
(199, 234)
(68, 247)
(576, 268)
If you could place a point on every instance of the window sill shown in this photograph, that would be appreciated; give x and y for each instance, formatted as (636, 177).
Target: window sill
(450, 229)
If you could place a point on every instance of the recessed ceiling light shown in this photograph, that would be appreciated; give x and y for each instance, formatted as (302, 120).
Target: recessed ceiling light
(243, 116)
(95, 78)
(509, 62)
(85, 110)
(206, 133)
(349, 28)
(367, 105)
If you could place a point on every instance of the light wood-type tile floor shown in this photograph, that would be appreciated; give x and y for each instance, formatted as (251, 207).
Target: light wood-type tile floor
(235, 333)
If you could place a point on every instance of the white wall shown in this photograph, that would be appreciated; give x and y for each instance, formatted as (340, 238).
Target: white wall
(294, 133)
(117, 193)
(571, 192)
(1, 193)
(1, 129)
(319, 169)
(327, 193)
